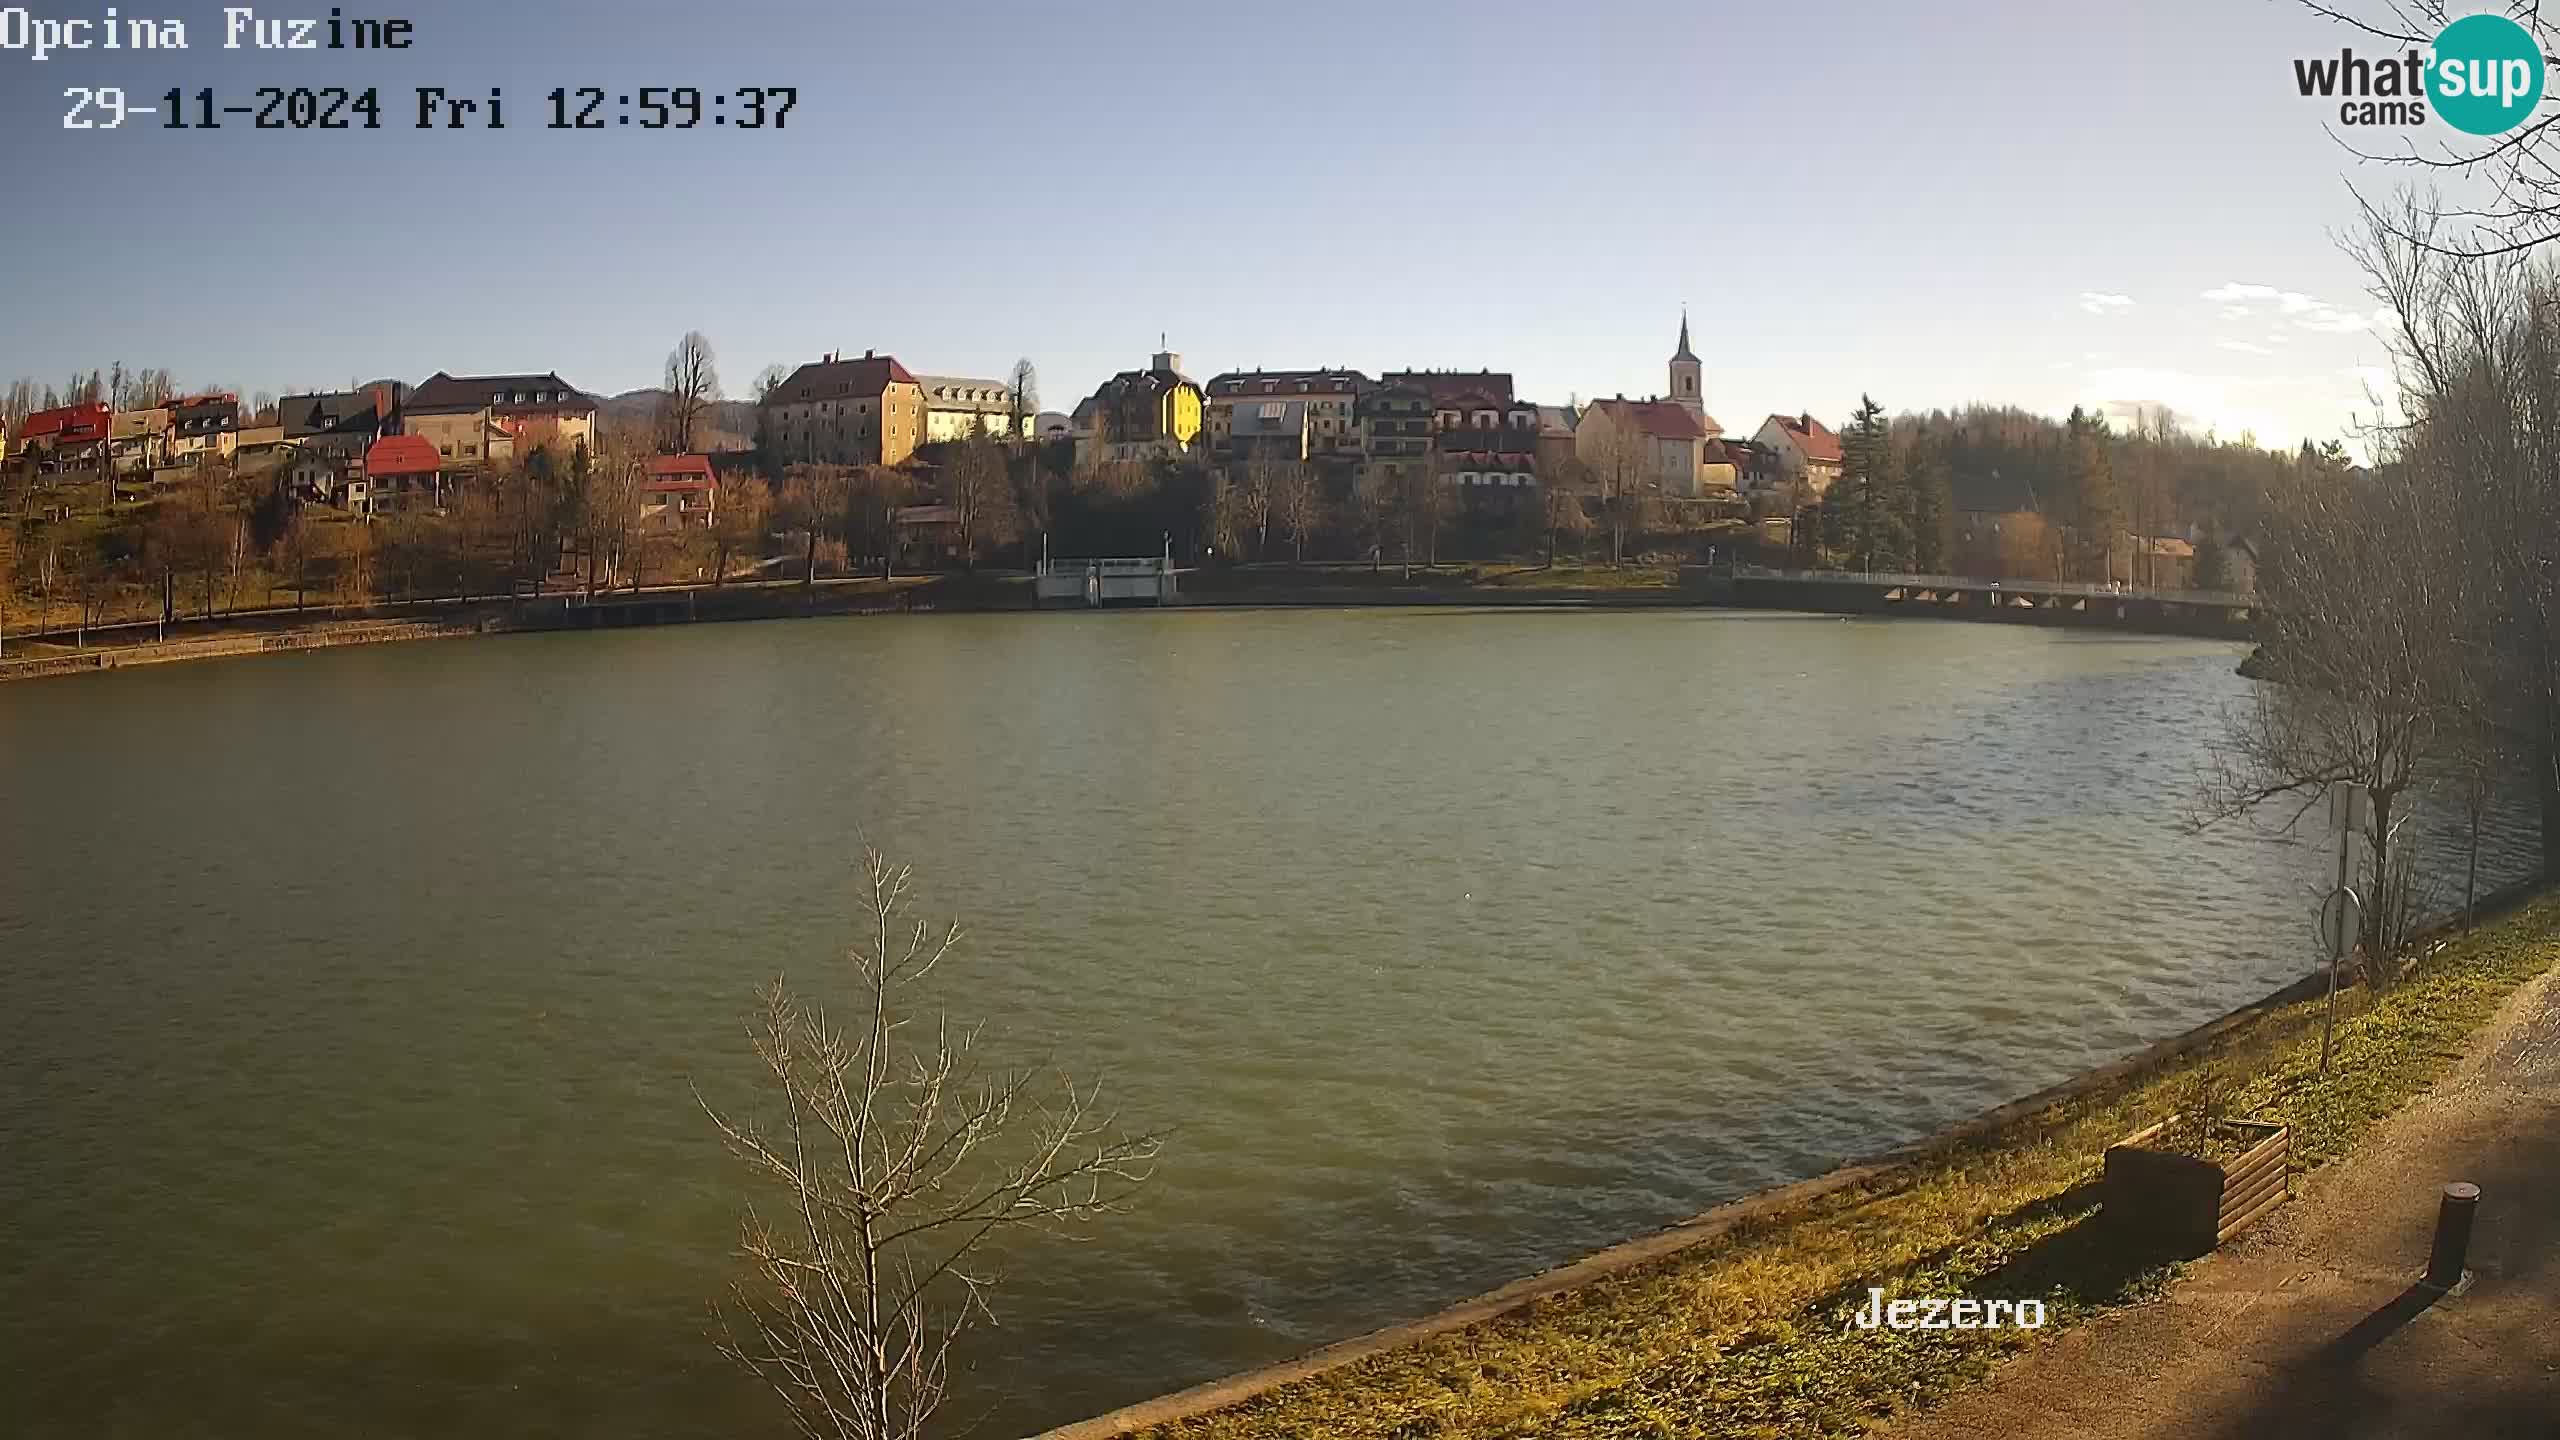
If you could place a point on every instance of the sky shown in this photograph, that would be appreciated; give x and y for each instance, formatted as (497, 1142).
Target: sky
(2038, 202)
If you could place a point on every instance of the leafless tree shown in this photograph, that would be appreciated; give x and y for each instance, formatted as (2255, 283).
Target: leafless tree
(896, 1158)
(742, 516)
(2517, 174)
(979, 489)
(692, 387)
(1297, 504)
(1022, 398)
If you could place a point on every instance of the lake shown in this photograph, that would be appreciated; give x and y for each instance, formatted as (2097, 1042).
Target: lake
(350, 1003)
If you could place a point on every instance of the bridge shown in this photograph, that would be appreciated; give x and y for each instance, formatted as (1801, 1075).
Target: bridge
(2221, 614)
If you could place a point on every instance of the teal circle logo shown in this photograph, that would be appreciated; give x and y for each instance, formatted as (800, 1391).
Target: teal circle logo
(2485, 76)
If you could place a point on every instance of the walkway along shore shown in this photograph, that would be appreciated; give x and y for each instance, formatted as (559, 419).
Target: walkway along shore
(277, 630)
(2030, 1121)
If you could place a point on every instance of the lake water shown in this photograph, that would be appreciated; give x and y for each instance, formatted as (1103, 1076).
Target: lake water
(349, 1002)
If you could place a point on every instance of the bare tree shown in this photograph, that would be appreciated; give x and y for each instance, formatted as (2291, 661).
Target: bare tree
(1022, 398)
(692, 388)
(897, 1157)
(1297, 503)
(743, 515)
(979, 489)
(2517, 174)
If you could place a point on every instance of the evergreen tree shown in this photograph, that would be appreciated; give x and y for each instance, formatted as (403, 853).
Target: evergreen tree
(1864, 491)
(2093, 507)
(1933, 503)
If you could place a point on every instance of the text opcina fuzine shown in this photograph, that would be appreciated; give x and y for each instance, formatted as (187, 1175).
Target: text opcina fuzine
(243, 28)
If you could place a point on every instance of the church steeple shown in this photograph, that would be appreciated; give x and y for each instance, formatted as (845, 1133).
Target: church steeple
(1688, 377)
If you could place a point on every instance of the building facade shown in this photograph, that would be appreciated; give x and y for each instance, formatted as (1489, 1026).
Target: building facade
(957, 407)
(1329, 398)
(1656, 445)
(1150, 414)
(204, 427)
(475, 421)
(1808, 453)
(835, 411)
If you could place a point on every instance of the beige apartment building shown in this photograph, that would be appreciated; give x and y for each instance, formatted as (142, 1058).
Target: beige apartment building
(835, 411)
(957, 407)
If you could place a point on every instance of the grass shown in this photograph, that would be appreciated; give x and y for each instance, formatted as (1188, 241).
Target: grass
(1745, 1336)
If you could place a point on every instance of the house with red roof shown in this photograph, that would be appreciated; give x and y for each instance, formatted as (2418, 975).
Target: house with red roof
(65, 431)
(1654, 445)
(399, 471)
(1808, 453)
(681, 492)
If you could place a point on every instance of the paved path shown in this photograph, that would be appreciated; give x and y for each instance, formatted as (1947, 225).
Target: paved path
(2311, 1326)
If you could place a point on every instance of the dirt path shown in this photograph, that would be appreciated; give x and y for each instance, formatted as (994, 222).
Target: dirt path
(2313, 1325)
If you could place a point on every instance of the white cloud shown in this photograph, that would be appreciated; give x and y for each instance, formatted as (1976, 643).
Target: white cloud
(2240, 301)
(2244, 347)
(2098, 302)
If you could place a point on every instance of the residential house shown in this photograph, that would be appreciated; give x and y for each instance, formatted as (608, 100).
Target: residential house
(1395, 432)
(1745, 467)
(1654, 444)
(1267, 430)
(1555, 435)
(342, 423)
(1808, 453)
(138, 440)
(2155, 562)
(956, 408)
(834, 411)
(1330, 398)
(1155, 413)
(66, 434)
(681, 492)
(204, 427)
(1481, 433)
(475, 421)
(400, 471)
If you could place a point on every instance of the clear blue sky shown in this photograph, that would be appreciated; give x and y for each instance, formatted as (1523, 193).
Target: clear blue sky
(2019, 200)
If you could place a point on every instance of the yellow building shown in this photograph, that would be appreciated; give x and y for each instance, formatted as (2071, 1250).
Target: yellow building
(846, 412)
(1155, 413)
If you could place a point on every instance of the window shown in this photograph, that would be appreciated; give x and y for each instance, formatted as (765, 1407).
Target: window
(470, 449)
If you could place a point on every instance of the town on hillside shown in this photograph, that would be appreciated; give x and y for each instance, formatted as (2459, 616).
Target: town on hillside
(123, 493)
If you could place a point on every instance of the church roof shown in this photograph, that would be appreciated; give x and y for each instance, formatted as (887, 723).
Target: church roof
(1683, 352)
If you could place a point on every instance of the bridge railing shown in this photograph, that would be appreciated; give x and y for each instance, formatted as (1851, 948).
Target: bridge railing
(2233, 598)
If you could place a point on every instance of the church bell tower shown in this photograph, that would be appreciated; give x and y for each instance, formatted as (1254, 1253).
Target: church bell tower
(1688, 384)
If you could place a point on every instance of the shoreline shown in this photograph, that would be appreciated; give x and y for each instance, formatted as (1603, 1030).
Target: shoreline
(2002, 1127)
(283, 631)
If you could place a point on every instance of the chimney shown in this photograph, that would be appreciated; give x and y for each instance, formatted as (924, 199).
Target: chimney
(866, 354)
(1804, 422)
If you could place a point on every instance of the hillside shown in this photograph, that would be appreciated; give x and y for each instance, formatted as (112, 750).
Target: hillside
(732, 423)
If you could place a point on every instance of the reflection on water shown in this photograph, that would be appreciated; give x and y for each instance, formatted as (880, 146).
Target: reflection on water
(349, 1001)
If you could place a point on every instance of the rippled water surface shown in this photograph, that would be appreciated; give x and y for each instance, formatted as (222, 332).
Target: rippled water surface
(349, 1002)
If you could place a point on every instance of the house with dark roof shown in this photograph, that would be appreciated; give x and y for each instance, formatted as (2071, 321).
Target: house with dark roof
(1331, 399)
(834, 411)
(474, 421)
(204, 427)
(957, 407)
(337, 422)
(1155, 413)
(1808, 453)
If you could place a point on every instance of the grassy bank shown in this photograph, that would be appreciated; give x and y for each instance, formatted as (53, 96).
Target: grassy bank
(1743, 1336)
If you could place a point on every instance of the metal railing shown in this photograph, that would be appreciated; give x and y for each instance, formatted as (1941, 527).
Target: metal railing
(2078, 589)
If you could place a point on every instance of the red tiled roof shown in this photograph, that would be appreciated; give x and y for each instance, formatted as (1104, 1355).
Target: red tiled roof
(1661, 419)
(670, 473)
(402, 455)
(67, 422)
(1811, 436)
(831, 378)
